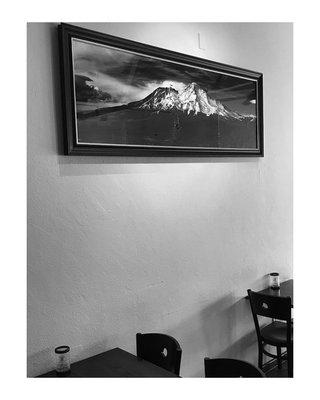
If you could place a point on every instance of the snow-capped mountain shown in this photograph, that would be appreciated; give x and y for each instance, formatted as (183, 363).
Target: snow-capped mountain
(161, 99)
(193, 99)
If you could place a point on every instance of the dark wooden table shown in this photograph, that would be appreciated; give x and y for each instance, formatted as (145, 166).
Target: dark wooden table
(115, 363)
(286, 290)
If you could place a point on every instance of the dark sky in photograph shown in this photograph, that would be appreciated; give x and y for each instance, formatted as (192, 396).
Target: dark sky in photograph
(129, 77)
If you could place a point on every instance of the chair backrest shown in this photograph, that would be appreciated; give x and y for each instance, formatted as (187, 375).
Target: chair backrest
(160, 349)
(230, 368)
(270, 307)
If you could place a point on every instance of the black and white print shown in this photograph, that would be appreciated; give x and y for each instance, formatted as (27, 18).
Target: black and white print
(124, 98)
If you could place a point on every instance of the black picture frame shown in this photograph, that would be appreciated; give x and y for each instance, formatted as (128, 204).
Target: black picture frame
(68, 32)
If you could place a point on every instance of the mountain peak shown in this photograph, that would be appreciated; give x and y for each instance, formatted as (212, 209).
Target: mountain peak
(192, 99)
(193, 85)
(165, 89)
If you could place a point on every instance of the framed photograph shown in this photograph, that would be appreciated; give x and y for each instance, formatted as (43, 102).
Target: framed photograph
(126, 98)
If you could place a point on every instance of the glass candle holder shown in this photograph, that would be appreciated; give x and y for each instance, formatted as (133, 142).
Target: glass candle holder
(62, 354)
(274, 280)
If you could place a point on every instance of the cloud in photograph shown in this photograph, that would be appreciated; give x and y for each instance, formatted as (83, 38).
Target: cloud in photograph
(129, 77)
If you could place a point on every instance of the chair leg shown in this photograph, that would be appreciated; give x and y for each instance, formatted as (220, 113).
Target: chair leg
(279, 361)
(290, 361)
(260, 356)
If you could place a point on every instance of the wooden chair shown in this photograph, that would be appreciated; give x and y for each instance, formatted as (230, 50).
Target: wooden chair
(277, 333)
(160, 349)
(230, 368)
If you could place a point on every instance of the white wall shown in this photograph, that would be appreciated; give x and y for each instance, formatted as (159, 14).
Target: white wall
(124, 245)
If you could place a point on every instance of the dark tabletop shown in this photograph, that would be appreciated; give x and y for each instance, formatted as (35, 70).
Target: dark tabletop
(115, 363)
(286, 290)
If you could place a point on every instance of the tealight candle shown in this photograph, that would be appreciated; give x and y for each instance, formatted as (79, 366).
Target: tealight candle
(62, 360)
(274, 280)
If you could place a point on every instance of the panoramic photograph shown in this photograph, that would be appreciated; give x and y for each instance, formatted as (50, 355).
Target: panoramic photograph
(129, 99)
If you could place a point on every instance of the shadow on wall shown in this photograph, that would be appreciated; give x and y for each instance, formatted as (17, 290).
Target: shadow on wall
(228, 325)
(90, 165)
(221, 322)
(222, 329)
(84, 165)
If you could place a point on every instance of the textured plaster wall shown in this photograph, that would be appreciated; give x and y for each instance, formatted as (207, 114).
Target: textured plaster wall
(124, 245)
